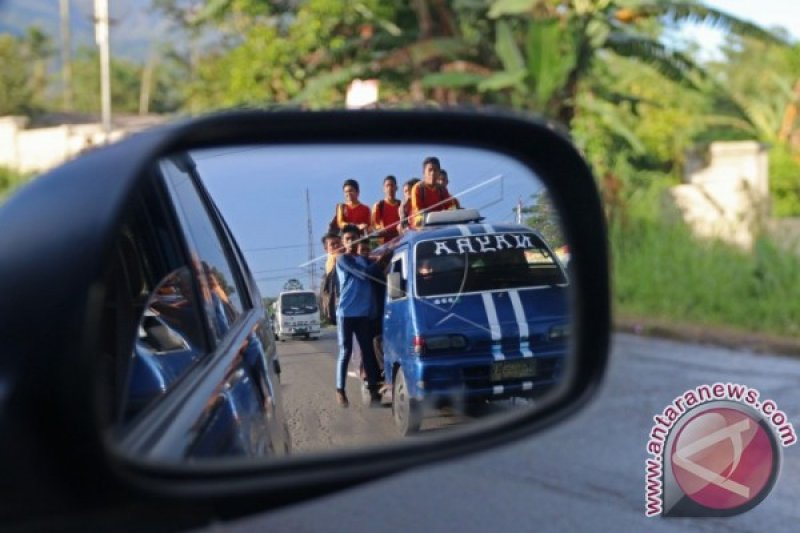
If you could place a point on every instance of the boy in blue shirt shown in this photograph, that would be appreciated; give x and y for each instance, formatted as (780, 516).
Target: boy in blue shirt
(356, 274)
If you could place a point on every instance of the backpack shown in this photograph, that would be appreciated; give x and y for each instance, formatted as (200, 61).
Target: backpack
(329, 296)
(333, 225)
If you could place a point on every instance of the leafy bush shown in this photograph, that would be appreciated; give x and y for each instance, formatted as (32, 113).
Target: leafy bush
(784, 182)
(660, 270)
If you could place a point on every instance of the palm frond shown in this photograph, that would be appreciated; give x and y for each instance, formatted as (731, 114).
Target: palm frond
(616, 98)
(506, 48)
(696, 13)
(669, 63)
(504, 80)
(728, 121)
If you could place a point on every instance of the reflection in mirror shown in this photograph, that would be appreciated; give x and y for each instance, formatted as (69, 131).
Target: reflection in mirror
(483, 331)
(168, 341)
(441, 270)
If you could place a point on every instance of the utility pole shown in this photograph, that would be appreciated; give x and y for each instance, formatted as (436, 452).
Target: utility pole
(101, 36)
(146, 84)
(66, 55)
(519, 211)
(311, 265)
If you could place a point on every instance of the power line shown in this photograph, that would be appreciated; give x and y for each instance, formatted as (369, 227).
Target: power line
(277, 269)
(267, 248)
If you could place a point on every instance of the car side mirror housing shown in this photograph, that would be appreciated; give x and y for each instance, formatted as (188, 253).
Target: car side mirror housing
(65, 333)
(394, 285)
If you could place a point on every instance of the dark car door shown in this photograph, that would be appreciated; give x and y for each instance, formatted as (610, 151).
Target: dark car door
(202, 355)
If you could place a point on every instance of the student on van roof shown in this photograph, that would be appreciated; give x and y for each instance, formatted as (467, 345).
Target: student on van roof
(405, 204)
(386, 212)
(352, 211)
(444, 181)
(429, 195)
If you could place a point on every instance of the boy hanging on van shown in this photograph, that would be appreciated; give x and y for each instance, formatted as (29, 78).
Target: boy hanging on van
(355, 275)
(386, 212)
(375, 312)
(329, 286)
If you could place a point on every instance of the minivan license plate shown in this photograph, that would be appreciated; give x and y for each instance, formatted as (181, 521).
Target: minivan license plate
(503, 370)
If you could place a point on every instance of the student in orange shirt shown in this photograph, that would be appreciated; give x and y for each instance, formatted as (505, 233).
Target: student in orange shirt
(405, 205)
(444, 181)
(386, 212)
(352, 211)
(428, 195)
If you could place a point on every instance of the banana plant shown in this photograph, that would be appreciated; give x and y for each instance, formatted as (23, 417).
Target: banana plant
(547, 47)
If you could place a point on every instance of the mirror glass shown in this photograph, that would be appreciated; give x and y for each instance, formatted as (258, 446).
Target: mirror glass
(461, 312)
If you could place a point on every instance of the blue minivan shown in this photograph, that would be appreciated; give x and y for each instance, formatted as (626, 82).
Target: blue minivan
(473, 312)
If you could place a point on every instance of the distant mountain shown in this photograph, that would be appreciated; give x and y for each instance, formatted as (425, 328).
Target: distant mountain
(135, 24)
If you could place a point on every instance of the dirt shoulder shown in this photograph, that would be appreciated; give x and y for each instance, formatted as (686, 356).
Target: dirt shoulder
(704, 334)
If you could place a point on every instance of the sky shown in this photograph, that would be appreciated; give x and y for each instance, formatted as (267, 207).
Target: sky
(767, 13)
(261, 193)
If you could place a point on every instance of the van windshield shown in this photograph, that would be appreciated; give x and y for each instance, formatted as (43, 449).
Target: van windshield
(478, 263)
(299, 303)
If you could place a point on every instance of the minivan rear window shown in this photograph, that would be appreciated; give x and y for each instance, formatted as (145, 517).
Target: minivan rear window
(477, 263)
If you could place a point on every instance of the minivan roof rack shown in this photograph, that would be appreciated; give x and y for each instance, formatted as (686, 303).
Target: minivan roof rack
(454, 216)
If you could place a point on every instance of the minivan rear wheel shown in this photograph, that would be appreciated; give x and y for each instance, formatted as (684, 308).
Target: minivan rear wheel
(406, 411)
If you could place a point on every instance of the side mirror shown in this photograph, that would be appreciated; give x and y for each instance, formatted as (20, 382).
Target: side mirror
(85, 246)
(394, 285)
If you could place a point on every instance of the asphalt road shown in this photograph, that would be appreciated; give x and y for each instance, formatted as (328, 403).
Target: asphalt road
(317, 422)
(585, 474)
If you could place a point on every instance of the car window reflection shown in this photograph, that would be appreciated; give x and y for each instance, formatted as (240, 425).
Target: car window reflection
(169, 340)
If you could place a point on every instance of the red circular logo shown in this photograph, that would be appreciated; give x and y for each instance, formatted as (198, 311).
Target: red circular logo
(722, 458)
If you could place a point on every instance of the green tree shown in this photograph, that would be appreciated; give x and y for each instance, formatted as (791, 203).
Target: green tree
(307, 53)
(23, 78)
(38, 50)
(16, 95)
(543, 217)
(560, 41)
(125, 83)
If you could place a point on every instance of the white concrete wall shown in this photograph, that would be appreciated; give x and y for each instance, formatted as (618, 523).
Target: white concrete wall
(729, 198)
(9, 128)
(40, 149)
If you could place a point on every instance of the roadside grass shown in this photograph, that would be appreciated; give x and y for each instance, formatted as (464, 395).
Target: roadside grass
(10, 180)
(661, 271)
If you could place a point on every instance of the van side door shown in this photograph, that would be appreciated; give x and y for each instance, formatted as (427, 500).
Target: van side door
(396, 317)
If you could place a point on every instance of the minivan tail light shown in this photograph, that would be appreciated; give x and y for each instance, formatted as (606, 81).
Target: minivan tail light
(418, 344)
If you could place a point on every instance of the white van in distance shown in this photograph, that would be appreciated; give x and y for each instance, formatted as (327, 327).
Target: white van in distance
(296, 315)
